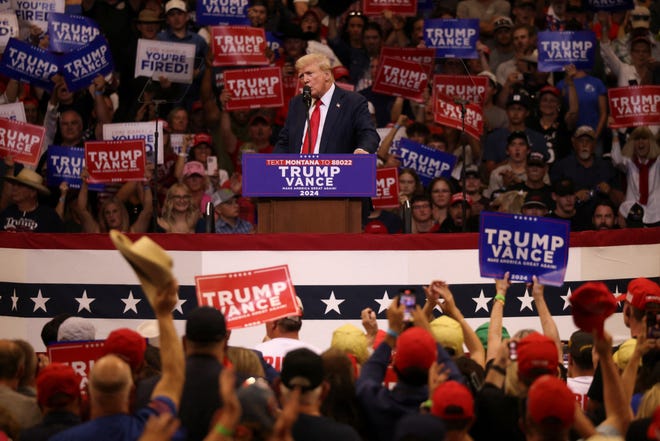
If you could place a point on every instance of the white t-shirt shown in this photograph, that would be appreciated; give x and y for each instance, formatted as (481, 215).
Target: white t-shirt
(274, 350)
(580, 386)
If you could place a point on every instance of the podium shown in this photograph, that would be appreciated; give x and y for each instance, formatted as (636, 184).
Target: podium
(330, 215)
(309, 193)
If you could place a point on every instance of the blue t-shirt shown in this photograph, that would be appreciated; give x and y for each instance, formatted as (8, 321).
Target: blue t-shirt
(588, 90)
(119, 427)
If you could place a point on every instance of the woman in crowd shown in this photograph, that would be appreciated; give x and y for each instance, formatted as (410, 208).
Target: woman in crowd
(180, 215)
(440, 190)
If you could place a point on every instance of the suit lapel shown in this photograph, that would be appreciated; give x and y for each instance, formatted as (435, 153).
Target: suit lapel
(331, 118)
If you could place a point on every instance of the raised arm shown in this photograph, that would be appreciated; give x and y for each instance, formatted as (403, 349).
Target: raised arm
(496, 315)
(87, 220)
(547, 322)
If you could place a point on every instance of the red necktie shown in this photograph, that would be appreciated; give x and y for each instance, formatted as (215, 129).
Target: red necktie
(314, 122)
(643, 179)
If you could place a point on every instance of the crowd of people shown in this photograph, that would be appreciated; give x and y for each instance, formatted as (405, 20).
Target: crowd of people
(423, 378)
(547, 147)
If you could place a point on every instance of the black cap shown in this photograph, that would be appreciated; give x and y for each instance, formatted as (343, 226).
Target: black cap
(205, 325)
(302, 368)
(563, 187)
(518, 134)
(472, 170)
(535, 199)
(518, 98)
(580, 345)
(537, 158)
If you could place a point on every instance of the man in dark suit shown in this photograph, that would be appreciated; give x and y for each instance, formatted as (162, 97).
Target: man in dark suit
(345, 125)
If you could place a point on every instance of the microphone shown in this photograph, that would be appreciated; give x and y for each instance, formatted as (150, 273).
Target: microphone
(307, 96)
(461, 102)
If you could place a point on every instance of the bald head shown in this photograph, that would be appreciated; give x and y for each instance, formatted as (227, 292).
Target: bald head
(110, 376)
(11, 360)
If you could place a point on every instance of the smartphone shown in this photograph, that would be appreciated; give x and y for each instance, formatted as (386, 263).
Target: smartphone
(653, 323)
(211, 165)
(408, 300)
(513, 350)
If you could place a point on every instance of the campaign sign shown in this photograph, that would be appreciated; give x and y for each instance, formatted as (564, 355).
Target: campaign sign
(254, 88)
(13, 111)
(65, 163)
(420, 55)
(610, 5)
(398, 77)
(68, 32)
(140, 130)
(80, 66)
(471, 88)
(80, 355)
(449, 113)
(21, 140)
(8, 28)
(634, 106)
(452, 37)
(274, 44)
(249, 298)
(24, 62)
(428, 162)
(525, 246)
(401, 7)
(558, 49)
(6, 5)
(174, 61)
(35, 13)
(222, 12)
(115, 161)
(292, 175)
(387, 188)
(238, 46)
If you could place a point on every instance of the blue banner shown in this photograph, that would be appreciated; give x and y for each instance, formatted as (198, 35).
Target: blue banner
(222, 12)
(274, 44)
(525, 246)
(24, 62)
(82, 65)
(297, 176)
(558, 49)
(452, 38)
(69, 32)
(610, 5)
(65, 164)
(428, 162)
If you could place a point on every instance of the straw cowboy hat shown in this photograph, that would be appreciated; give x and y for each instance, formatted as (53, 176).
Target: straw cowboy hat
(150, 262)
(31, 179)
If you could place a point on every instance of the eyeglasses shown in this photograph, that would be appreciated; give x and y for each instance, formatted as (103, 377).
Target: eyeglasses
(441, 191)
(180, 197)
(641, 17)
(421, 207)
(355, 14)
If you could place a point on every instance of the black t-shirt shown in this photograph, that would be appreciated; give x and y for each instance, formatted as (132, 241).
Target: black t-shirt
(320, 428)
(43, 219)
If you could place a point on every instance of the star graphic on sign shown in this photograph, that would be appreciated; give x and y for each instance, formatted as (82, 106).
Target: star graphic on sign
(130, 302)
(39, 302)
(14, 301)
(526, 301)
(383, 303)
(179, 305)
(332, 304)
(84, 302)
(566, 299)
(482, 302)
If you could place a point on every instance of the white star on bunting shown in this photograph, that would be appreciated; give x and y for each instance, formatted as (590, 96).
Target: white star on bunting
(179, 305)
(130, 302)
(526, 301)
(566, 299)
(332, 303)
(482, 302)
(39, 302)
(14, 301)
(84, 302)
(383, 303)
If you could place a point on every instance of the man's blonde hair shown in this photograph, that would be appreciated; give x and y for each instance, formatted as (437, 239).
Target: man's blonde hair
(320, 60)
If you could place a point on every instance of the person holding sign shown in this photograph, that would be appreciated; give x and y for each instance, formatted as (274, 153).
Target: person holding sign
(340, 120)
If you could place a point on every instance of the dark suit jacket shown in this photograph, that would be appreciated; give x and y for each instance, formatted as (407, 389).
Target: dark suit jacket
(348, 126)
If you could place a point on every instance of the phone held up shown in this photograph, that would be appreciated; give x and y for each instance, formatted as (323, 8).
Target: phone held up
(408, 299)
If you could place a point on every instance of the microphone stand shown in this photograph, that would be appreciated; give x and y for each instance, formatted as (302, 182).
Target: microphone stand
(308, 105)
(462, 103)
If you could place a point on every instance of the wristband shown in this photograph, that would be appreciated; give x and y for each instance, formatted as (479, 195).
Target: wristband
(62, 199)
(183, 155)
(397, 126)
(498, 369)
(501, 298)
(392, 333)
(426, 404)
(146, 187)
(98, 93)
(222, 430)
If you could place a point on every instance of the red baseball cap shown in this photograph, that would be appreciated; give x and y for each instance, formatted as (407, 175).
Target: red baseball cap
(202, 138)
(458, 197)
(591, 304)
(536, 354)
(640, 292)
(415, 347)
(54, 379)
(549, 397)
(452, 401)
(340, 72)
(127, 344)
(375, 227)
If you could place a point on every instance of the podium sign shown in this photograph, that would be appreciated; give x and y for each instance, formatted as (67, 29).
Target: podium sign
(295, 176)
